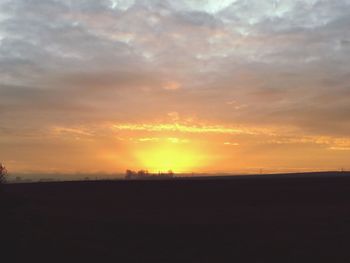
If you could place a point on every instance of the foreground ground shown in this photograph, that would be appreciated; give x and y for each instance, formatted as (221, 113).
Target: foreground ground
(297, 218)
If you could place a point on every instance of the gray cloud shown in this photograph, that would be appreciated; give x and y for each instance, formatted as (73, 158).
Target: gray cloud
(282, 62)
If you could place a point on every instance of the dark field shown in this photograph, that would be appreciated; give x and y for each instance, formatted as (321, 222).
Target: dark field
(296, 218)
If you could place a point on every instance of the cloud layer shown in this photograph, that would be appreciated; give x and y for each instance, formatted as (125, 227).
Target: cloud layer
(281, 64)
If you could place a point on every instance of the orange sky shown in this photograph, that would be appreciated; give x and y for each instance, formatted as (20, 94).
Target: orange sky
(192, 86)
(190, 146)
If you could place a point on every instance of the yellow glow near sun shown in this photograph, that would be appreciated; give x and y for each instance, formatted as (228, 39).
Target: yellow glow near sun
(168, 157)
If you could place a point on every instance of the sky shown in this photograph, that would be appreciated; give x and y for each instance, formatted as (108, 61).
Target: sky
(188, 85)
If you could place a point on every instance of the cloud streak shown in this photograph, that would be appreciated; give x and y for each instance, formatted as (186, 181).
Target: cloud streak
(180, 128)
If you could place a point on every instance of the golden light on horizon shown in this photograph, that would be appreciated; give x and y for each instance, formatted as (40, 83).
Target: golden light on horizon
(169, 156)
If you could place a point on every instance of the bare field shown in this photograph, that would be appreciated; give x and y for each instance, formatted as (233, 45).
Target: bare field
(282, 218)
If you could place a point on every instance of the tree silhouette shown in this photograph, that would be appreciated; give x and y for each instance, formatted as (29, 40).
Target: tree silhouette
(3, 174)
(130, 174)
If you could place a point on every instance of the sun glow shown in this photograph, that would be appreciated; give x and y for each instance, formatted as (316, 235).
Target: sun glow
(169, 157)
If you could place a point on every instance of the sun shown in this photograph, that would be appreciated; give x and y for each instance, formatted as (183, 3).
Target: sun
(169, 157)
